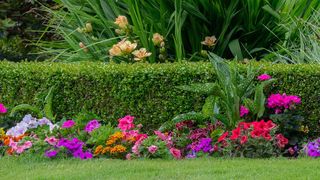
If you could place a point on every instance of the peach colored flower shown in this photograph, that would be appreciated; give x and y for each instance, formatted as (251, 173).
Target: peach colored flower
(122, 21)
(141, 54)
(115, 50)
(209, 41)
(158, 40)
(126, 46)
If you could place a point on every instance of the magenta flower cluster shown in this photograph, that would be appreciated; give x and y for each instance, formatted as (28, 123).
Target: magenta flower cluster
(243, 111)
(279, 102)
(313, 148)
(204, 145)
(264, 77)
(68, 124)
(92, 125)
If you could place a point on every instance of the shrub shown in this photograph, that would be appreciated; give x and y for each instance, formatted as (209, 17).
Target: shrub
(146, 91)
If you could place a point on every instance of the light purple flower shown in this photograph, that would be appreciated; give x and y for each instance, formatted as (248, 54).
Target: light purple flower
(68, 124)
(92, 125)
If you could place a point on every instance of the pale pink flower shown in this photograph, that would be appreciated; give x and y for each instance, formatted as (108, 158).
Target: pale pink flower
(51, 140)
(152, 149)
(209, 41)
(27, 145)
(128, 156)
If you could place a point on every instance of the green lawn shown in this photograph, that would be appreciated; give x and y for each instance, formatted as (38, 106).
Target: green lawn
(211, 168)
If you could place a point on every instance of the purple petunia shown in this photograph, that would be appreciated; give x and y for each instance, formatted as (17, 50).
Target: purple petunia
(51, 154)
(203, 145)
(92, 125)
(313, 148)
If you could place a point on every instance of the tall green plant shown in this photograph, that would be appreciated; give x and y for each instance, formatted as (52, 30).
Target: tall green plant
(226, 95)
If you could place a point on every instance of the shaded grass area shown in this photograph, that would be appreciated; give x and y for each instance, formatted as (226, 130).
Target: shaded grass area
(211, 168)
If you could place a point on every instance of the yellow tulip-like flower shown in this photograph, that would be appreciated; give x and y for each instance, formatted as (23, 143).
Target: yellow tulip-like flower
(122, 22)
(88, 27)
(141, 54)
(158, 40)
(209, 41)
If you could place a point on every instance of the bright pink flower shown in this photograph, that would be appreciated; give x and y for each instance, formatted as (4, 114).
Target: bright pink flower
(3, 109)
(280, 102)
(152, 149)
(51, 140)
(162, 136)
(20, 149)
(176, 153)
(243, 111)
(264, 77)
(68, 124)
(126, 123)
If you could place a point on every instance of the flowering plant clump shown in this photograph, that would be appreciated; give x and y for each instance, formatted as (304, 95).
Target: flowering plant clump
(255, 139)
(280, 102)
(92, 125)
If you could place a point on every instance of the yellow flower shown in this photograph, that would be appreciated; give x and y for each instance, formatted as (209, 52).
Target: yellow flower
(141, 54)
(98, 150)
(209, 41)
(122, 22)
(114, 137)
(157, 40)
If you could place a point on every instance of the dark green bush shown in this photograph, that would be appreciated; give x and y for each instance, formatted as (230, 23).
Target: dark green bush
(146, 91)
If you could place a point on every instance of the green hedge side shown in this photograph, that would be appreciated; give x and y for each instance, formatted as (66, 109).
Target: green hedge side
(146, 91)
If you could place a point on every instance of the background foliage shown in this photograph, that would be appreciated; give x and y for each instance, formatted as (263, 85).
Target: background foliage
(244, 28)
(21, 22)
(143, 90)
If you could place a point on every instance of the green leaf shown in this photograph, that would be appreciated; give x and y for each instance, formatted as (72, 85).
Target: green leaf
(48, 112)
(208, 107)
(26, 107)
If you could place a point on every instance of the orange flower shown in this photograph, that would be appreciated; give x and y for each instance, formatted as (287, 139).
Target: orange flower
(114, 137)
(209, 41)
(118, 149)
(98, 150)
(105, 150)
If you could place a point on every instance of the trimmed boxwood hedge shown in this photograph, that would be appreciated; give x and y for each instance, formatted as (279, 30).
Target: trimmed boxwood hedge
(146, 91)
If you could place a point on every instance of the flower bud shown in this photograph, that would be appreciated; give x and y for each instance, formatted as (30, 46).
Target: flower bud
(88, 27)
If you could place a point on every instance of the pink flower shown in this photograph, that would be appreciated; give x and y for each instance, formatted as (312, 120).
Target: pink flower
(176, 153)
(282, 101)
(68, 124)
(152, 149)
(162, 136)
(126, 123)
(3, 109)
(20, 149)
(128, 156)
(264, 77)
(27, 145)
(243, 111)
(51, 140)
(92, 125)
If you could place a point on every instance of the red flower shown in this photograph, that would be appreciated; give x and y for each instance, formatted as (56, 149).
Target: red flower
(281, 141)
(223, 136)
(266, 135)
(243, 139)
(256, 133)
(270, 125)
(244, 125)
(235, 134)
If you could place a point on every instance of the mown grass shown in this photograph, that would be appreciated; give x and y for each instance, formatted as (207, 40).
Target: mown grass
(211, 168)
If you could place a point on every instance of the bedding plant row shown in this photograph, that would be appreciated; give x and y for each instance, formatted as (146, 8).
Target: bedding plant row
(241, 117)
